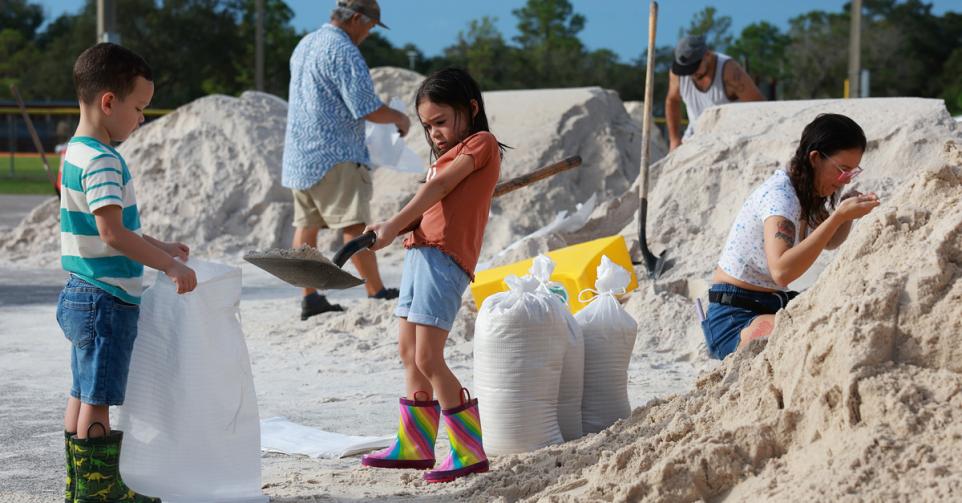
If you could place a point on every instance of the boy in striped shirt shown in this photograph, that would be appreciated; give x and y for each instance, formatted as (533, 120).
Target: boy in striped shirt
(104, 250)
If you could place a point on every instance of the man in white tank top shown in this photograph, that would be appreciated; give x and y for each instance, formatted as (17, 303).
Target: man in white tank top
(702, 78)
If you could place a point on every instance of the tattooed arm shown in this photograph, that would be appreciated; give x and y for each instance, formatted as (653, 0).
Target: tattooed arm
(738, 84)
(788, 260)
(673, 111)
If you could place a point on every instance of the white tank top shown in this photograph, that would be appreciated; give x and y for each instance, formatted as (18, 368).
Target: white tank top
(696, 101)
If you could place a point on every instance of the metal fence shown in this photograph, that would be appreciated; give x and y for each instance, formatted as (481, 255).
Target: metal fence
(55, 124)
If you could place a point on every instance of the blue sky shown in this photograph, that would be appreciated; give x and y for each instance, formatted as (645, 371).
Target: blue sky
(619, 25)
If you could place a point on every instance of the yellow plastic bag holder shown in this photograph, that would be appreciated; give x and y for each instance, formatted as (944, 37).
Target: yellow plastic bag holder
(576, 268)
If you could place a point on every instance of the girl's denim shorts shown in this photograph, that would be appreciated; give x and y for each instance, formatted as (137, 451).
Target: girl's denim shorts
(432, 284)
(101, 329)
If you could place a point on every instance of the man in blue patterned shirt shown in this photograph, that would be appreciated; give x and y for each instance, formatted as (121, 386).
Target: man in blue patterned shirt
(326, 163)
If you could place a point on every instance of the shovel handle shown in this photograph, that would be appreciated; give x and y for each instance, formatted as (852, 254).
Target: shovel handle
(367, 239)
(353, 246)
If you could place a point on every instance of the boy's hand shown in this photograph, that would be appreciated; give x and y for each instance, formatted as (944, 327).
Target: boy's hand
(181, 275)
(177, 250)
(385, 234)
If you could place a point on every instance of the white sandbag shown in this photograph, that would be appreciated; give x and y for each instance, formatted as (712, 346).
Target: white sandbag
(572, 372)
(191, 429)
(387, 149)
(519, 348)
(609, 337)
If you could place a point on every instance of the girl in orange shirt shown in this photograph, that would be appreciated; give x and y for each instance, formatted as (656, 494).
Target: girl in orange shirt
(443, 250)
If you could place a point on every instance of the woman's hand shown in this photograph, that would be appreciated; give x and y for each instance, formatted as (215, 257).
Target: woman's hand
(855, 205)
(386, 232)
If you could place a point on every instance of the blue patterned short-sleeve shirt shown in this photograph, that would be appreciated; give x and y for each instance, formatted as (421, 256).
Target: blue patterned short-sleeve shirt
(744, 255)
(331, 91)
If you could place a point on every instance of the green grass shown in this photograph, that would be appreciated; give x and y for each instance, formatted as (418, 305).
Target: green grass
(28, 175)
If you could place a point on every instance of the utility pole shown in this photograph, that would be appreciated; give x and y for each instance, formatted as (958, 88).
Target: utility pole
(412, 57)
(107, 22)
(855, 49)
(259, 47)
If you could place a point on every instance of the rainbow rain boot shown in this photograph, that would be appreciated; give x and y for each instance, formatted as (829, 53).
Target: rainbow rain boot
(464, 431)
(414, 445)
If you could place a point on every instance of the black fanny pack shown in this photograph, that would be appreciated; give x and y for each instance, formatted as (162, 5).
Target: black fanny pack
(756, 302)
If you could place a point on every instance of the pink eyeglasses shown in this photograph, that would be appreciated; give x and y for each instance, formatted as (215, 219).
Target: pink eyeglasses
(844, 175)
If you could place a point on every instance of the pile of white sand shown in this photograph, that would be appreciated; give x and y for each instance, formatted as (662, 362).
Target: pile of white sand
(698, 190)
(207, 174)
(659, 145)
(856, 392)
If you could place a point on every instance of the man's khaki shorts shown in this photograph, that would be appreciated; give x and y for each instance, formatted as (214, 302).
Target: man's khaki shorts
(341, 199)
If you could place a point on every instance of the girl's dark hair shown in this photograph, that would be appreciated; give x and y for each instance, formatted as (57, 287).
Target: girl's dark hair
(455, 88)
(827, 134)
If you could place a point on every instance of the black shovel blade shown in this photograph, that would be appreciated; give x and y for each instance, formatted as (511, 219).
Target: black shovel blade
(305, 268)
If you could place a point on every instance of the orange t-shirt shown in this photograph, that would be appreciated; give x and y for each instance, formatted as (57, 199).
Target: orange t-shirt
(455, 225)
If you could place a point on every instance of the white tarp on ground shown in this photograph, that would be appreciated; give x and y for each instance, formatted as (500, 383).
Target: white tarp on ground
(280, 435)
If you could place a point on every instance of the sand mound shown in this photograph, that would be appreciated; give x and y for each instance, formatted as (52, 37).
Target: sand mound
(739, 146)
(208, 175)
(857, 389)
(659, 145)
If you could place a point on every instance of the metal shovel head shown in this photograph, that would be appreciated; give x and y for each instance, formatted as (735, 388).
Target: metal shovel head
(304, 267)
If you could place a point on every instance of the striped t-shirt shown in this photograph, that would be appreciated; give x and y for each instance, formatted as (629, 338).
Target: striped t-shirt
(94, 176)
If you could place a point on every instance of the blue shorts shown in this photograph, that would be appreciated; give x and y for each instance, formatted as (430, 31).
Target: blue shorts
(432, 284)
(101, 329)
(723, 324)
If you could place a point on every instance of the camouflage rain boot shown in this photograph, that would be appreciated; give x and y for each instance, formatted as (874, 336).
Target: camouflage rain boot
(68, 493)
(97, 471)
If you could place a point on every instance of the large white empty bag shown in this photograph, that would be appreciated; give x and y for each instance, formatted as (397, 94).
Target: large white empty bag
(387, 148)
(191, 429)
(519, 348)
(609, 336)
(572, 370)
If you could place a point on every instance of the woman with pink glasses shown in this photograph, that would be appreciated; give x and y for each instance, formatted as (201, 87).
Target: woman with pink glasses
(781, 229)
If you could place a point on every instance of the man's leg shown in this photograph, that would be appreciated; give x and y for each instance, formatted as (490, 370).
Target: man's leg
(364, 261)
(312, 303)
(306, 236)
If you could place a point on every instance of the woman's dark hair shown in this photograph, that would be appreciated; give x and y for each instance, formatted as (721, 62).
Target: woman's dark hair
(455, 88)
(827, 134)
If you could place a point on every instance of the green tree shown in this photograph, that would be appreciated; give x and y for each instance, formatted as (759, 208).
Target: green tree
(548, 36)
(761, 48)
(712, 26)
(483, 52)
(21, 16)
(951, 82)
(280, 39)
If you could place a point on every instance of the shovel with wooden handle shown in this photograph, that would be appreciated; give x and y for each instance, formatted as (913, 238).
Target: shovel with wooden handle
(654, 265)
(307, 268)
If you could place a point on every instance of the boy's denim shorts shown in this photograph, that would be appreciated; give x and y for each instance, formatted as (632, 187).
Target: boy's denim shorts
(432, 284)
(101, 329)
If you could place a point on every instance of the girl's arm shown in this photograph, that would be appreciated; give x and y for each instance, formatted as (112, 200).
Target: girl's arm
(786, 261)
(428, 195)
